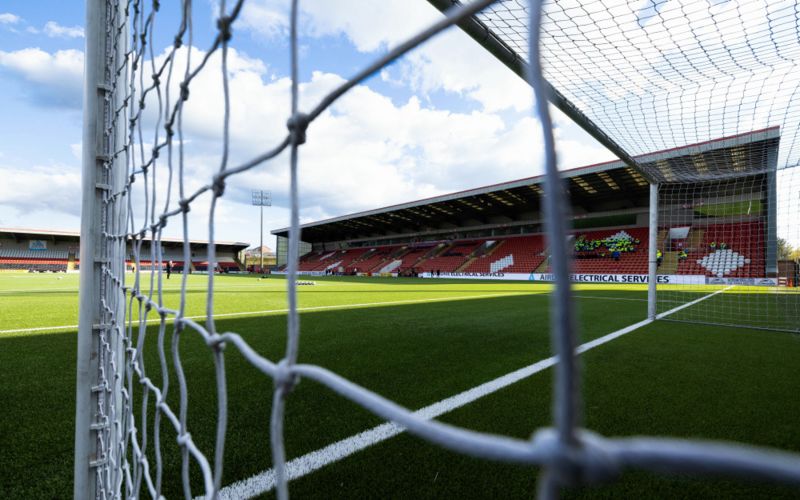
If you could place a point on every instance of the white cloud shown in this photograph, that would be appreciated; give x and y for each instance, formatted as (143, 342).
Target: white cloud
(9, 18)
(49, 188)
(55, 79)
(364, 152)
(451, 62)
(55, 30)
(369, 25)
(268, 17)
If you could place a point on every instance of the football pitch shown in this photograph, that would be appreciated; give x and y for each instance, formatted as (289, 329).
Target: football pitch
(446, 347)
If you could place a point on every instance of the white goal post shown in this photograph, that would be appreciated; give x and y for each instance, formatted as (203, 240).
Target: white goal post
(128, 152)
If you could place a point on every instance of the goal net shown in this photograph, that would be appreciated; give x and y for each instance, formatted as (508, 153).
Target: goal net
(727, 223)
(702, 98)
(636, 78)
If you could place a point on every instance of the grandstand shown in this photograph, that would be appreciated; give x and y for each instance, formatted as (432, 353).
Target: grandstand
(722, 232)
(38, 250)
(253, 259)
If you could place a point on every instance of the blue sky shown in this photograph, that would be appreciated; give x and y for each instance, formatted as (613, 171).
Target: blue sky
(446, 117)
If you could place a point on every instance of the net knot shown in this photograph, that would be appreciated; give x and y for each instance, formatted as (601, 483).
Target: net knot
(297, 125)
(156, 79)
(183, 439)
(590, 460)
(218, 186)
(184, 91)
(178, 42)
(224, 26)
(216, 342)
(284, 378)
(184, 204)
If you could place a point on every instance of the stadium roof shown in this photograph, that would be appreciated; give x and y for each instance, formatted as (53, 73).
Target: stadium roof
(601, 187)
(27, 233)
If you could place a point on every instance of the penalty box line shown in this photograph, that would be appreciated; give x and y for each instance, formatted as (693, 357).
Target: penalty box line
(521, 293)
(315, 460)
(320, 308)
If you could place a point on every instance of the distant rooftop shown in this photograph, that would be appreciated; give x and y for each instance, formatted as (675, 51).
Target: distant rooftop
(62, 234)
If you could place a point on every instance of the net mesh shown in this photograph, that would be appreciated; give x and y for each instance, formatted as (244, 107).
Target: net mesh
(730, 237)
(660, 74)
(720, 79)
(140, 164)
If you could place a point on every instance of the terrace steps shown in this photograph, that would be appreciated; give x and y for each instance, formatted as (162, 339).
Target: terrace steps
(669, 263)
(482, 256)
(471, 257)
(397, 254)
(662, 235)
(695, 238)
(465, 264)
(542, 268)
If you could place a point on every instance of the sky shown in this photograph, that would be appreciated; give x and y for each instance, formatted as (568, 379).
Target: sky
(446, 117)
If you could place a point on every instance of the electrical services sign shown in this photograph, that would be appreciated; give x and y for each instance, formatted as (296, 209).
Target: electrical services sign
(577, 277)
(674, 279)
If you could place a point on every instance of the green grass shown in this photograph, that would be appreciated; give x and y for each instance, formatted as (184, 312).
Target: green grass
(754, 306)
(414, 342)
(745, 207)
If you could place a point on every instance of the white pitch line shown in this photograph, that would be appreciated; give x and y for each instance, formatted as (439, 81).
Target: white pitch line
(315, 460)
(41, 290)
(223, 288)
(607, 298)
(301, 309)
(695, 301)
